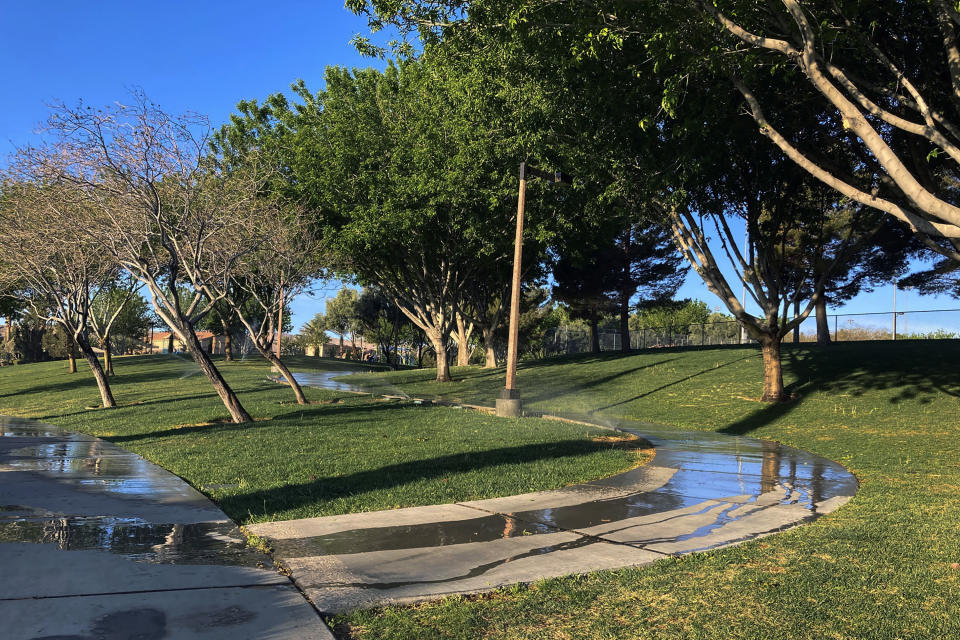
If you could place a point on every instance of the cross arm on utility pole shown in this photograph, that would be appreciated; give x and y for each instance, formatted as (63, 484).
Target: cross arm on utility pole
(526, 171)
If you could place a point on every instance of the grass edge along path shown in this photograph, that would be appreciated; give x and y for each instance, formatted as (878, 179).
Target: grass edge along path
(341, 454)
(886, 565)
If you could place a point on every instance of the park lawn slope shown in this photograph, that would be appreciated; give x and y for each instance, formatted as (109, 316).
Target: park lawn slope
(883, 566)
(342, 453)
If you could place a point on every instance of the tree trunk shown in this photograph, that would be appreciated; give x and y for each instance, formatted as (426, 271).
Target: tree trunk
(284, 371)
(594, 334)
(106, 395)
(796, 329)
(823, 323)
(230, 401)
(341, 345)
(491, 353)
(772, 372)
(72, 354)
(463, 342)
(624, 322)
(227, 342)
(440, 348)
(107, 356)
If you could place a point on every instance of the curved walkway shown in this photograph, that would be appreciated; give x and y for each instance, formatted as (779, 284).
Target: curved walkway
(96, 542)
(702, 491)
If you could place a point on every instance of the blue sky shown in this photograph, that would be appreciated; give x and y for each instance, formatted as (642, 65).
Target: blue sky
(204, 57)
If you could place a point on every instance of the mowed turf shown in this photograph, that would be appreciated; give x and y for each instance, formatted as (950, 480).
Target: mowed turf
(885, 566)
(341, 454)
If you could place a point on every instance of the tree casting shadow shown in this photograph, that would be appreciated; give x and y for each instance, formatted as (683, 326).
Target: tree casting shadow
(295, 495)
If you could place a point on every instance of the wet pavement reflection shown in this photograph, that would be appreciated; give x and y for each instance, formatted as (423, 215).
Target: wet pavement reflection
(325, 380)
(702, 491)
(96, 542)
(202, 543)
(154, 516)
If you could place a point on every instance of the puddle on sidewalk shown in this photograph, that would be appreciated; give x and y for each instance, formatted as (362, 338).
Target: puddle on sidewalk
(325, 380)
(205, 543)
(430, 534)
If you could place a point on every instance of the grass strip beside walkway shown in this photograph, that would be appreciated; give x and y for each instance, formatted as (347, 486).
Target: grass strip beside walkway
(342, 454)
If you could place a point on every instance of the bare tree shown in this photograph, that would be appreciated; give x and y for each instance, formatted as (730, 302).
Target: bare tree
(279, 257)
(47, 264)
(106, 307)
(162, 209)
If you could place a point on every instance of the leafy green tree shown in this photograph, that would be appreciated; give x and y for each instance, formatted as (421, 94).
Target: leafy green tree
(412, 174)
(133, 323)
(341, 315)
(884, 75)
(381, 321)
(58, 344)
(673, 314)
(314, 334)
(860, 97)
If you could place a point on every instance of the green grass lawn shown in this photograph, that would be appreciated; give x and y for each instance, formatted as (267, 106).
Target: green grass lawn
(343, 453)
(884, 566)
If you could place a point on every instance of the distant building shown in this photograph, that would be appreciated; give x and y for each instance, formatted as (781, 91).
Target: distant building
(332, 349)
(160, 343)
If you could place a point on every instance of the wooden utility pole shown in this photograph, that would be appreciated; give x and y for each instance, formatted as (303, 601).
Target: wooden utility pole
(508, 404)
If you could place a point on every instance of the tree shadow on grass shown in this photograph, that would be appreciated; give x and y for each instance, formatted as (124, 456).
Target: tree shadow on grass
(296, 495)
(164, 400)
(541, 392)
(668, 385)
(85, 380)
(910, 371)
(289, 419)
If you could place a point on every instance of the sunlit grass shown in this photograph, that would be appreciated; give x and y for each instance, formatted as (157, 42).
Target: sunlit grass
(342, 453)
(884, 566)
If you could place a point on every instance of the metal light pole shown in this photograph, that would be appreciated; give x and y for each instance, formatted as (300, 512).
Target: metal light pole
(509, 404)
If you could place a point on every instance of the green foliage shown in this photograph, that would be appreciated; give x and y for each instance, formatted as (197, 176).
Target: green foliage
(314, 333)
(56, 343)
(674, 315)
(341, 312)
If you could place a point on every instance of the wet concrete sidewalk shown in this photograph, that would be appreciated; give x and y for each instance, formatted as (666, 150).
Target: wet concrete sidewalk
(702, 491)
(96, 542)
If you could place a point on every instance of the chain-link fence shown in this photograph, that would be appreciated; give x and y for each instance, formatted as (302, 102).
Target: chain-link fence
(844, 327)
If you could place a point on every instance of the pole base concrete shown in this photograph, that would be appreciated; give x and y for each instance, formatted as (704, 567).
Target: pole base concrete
(509, 408)
(509, 404)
